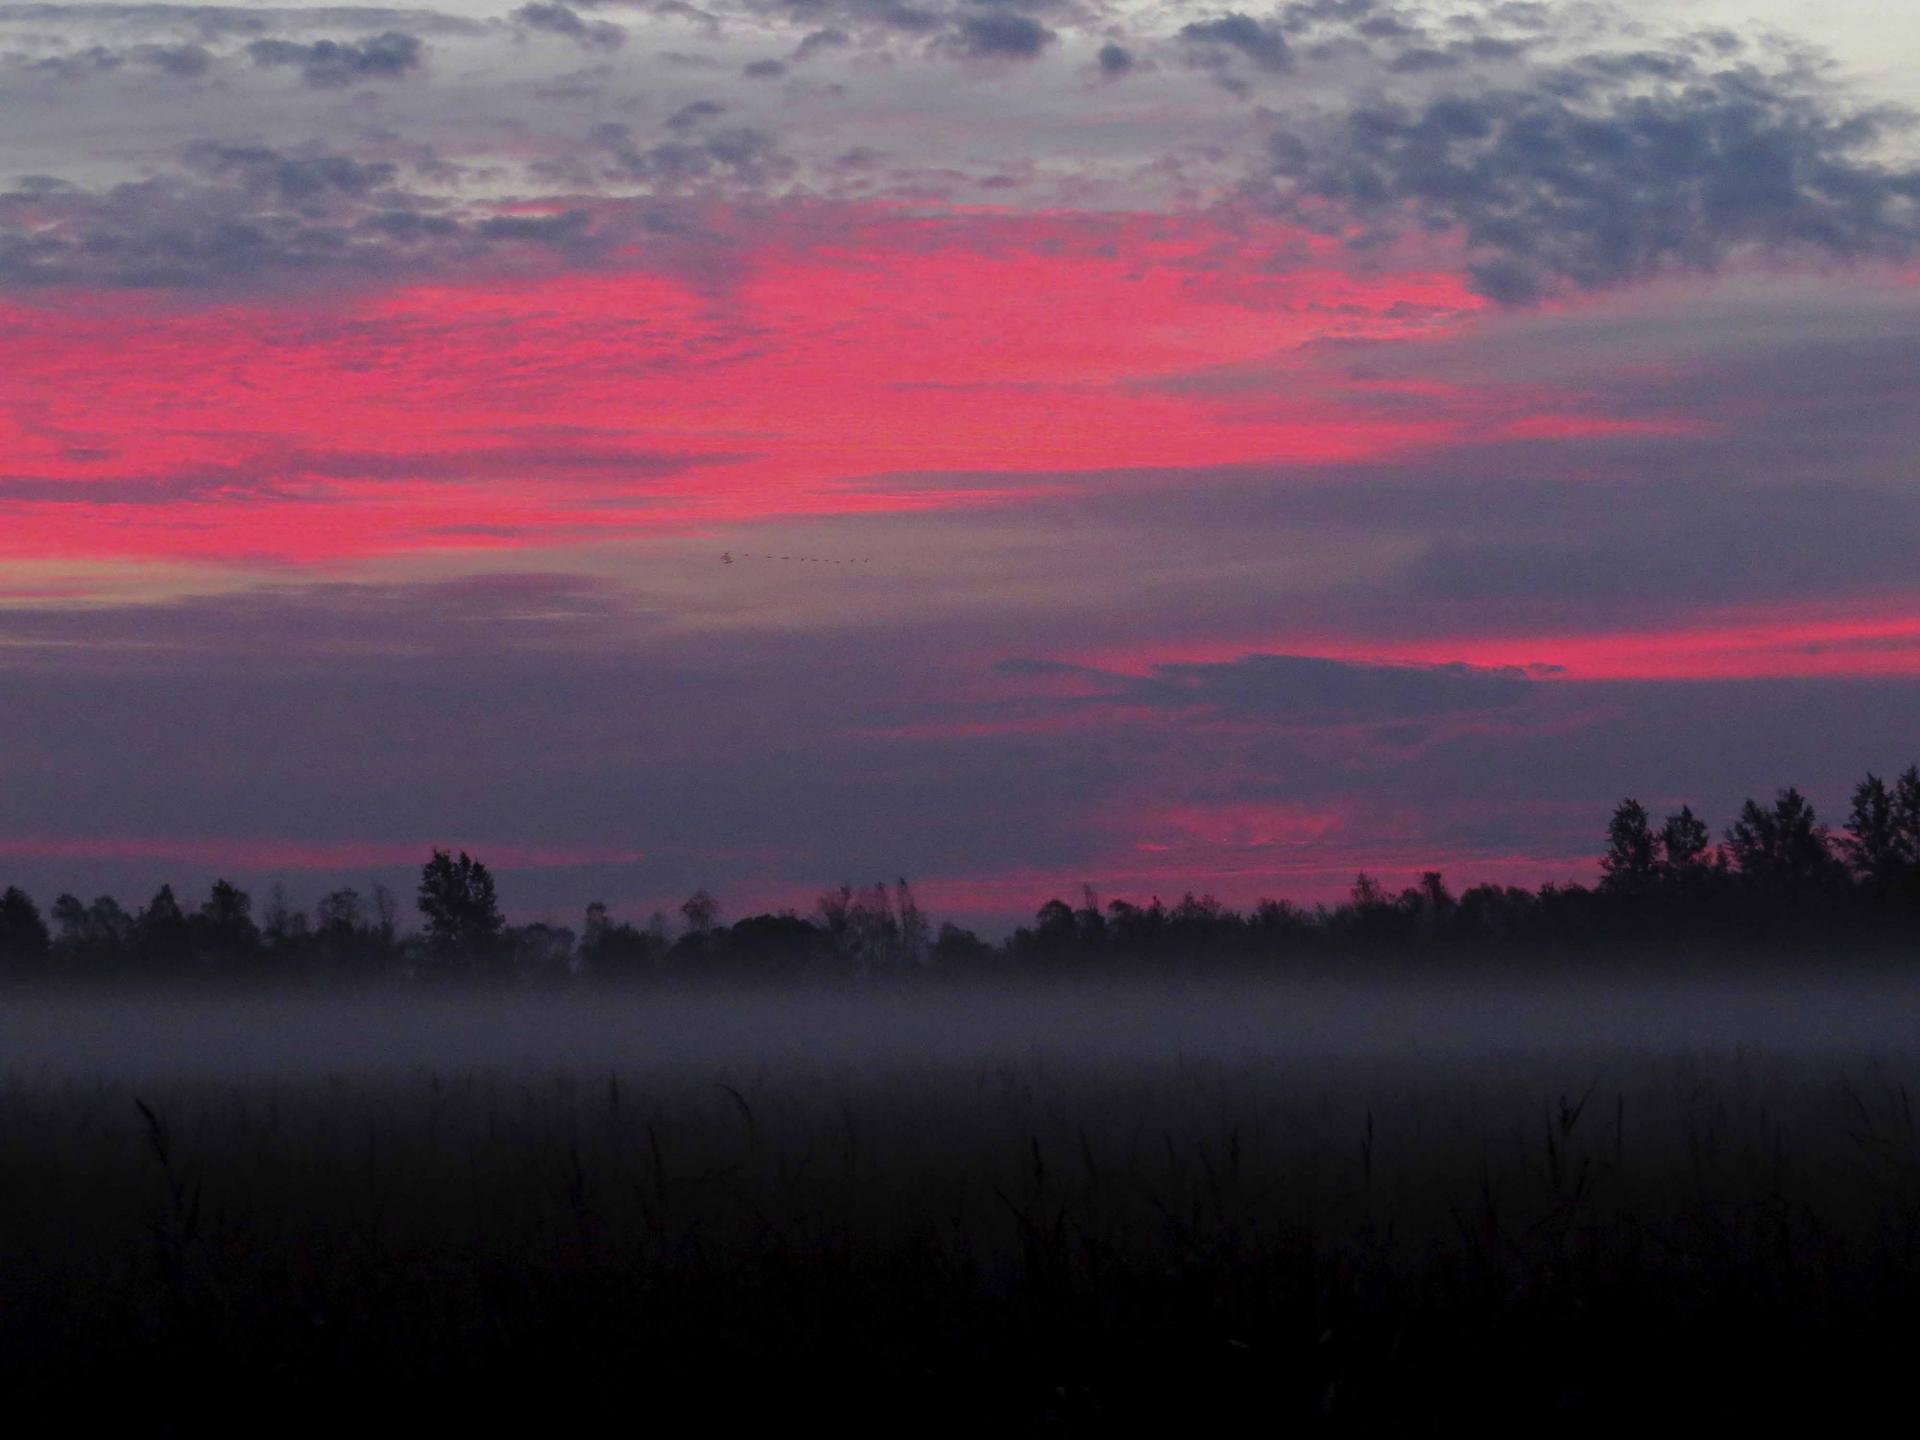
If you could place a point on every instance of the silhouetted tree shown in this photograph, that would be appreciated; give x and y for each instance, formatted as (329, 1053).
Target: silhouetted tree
(1054, 932)
(1631, 863)
(959, 948)
(338, 920)
(594, 932)
(1435, 903)
(162, 932)
(1685, 843)
(24, 937)
(285, 927)
(456, 899)
(386, 918)
(766, 941)
(223, 926)
(1906, 809)
(914, 930)
(540, 952)
(701, 912)
(1090, 926)
(1873, 846)
(1371, 917)
(615, 948)
(92, 933)
(1496, 913)
(1136, 930)
(1782, 848)
(861, 927)
(1278, 926)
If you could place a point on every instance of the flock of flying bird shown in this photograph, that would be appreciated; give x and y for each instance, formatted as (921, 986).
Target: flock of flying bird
(727, 558)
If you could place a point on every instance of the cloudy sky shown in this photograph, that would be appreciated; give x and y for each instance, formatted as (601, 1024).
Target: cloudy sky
(1159, 446)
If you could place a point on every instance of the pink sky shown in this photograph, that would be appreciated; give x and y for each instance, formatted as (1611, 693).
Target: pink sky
(1266, 458)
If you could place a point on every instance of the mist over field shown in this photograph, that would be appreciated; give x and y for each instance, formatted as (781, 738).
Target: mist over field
(1602, 1019)
(1339, 1201)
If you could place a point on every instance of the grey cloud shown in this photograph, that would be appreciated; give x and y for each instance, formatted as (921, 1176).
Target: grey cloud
(181, 61)
(231, 215)
(391, 55)
(1001, 35)
(292, 177)
(764, 69)
(1307, 689)
(695, 114)
(558, 19)
(829, 38)
(739, 155)
(895, 15)
(1305, 14)
(1423, 59)
(1262, 44)
(72, 65)
(1115, 61)
(1591, 179)
(216, 21)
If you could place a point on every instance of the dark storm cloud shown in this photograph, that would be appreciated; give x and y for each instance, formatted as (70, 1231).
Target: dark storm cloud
(391, 55)
(1611, 170)
(558, 19)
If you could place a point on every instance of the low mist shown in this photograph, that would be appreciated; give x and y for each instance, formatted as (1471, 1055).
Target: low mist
(1288, 1022)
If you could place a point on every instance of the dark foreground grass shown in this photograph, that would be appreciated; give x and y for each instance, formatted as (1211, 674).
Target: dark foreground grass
(1025, 1245)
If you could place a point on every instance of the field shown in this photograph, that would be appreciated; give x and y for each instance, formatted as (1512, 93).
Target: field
(1566, 1202)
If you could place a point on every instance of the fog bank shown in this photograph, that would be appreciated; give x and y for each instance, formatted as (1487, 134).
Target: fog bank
(100, 1035)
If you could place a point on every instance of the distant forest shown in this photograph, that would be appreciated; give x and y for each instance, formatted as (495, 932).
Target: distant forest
(1776, 876)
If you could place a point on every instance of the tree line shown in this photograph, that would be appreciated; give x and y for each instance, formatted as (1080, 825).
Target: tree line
(1776, 874)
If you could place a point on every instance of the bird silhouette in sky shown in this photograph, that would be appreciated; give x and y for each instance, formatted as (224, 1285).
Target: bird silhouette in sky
(727, 558)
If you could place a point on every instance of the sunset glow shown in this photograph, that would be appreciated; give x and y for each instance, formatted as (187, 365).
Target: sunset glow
(1185, 470)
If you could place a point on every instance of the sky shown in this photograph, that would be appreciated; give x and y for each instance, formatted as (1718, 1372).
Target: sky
(1009, 444)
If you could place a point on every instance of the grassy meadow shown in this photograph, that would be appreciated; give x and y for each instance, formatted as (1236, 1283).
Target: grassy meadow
(1038, 1211)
